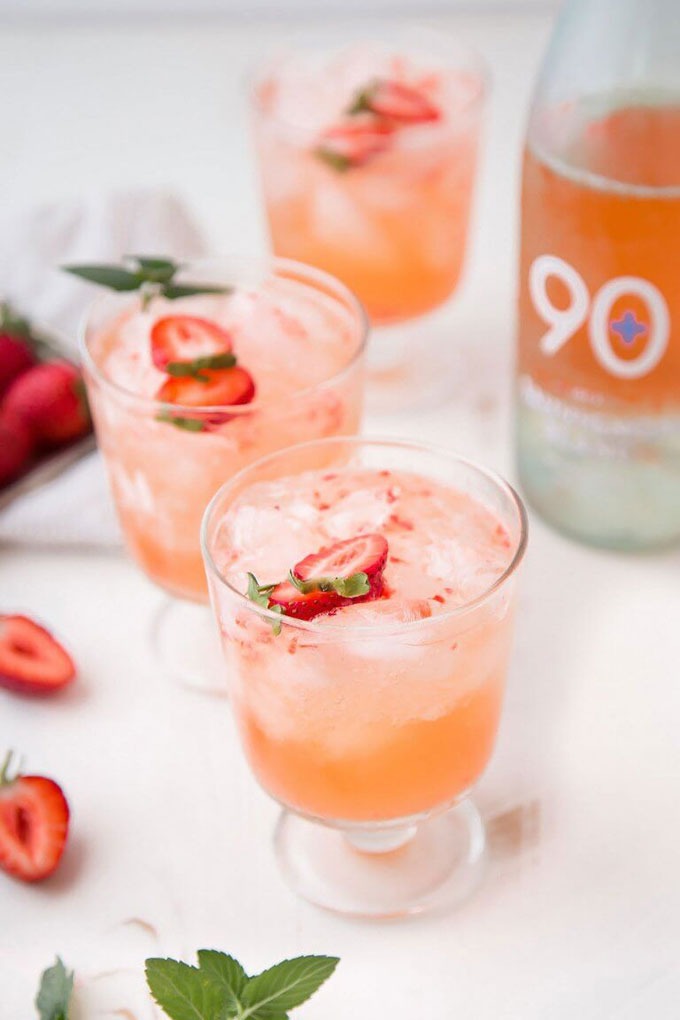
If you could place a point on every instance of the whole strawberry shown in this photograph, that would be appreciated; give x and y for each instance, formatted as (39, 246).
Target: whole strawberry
(16, 447)
(50, 400)
(16, 357)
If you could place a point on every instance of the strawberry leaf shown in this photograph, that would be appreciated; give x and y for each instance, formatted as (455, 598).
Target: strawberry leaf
(156, 269)
(259, 594)
(54, 994)
(272, 993)
(226, 973)
(334, 159)
(349, 587)
(184, 992)
(194, 368)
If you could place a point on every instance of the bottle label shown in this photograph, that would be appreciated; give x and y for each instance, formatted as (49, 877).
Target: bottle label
(627, 312)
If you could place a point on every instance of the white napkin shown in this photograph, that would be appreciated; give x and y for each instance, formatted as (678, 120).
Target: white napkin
(75, 508)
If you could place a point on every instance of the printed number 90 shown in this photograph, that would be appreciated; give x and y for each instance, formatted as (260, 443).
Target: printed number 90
(565, 322)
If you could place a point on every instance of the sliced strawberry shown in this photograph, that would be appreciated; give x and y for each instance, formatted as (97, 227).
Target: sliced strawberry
(34, 816)
(365, 554)
(305, 606)
(50, 399)
(396, 101)
(31, 660)
(16, 447)
(211, 388)
(353, 143)
(183, 338)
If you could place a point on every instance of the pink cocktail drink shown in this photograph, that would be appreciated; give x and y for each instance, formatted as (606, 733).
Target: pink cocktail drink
(296, 336)
(368, 156)
(372, 711)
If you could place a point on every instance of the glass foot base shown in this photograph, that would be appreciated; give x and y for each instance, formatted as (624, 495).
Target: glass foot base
(186, 646)
(384, 871)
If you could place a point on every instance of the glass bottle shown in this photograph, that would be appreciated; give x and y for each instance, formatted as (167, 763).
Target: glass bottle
(598, 386)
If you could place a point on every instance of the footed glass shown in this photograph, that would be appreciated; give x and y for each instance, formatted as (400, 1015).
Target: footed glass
(371, 730)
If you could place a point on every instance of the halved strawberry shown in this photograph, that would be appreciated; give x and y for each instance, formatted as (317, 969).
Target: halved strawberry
(365, 554)
(182, 338)
(31, 660)
(34, 816)
(353, 143)
(396, 101)
(211, 388)
(305, 606)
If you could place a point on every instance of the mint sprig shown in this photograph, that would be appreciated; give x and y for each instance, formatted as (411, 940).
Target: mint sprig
(259, 594)
(348, 587)
(220, 989)
(150, 275)
(54, 993)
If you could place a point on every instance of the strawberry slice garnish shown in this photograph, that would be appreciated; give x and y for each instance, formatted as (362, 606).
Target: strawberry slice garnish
(34, 818)
(335, 576)
(208, 388)
(178, 339)
(31, 660)
(395, 101)
(365, 554)
(353, 143)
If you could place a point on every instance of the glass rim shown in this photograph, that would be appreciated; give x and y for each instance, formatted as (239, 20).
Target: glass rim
(257, 72)
(369, 631)
(310, 274)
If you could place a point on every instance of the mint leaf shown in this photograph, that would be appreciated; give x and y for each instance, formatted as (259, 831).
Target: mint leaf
(107, 276)
(190, 424)
(194, 368)
(54, 994)
(226, 973)
(284, 986)
(179, 290)
(184, 992)
(158, 270)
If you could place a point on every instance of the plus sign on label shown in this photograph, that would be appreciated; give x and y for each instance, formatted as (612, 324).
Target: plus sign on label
(564, 323)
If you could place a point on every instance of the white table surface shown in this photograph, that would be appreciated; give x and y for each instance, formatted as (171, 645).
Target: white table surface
(170, 847)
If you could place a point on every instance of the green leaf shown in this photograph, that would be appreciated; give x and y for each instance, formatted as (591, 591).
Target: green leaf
(108, 276)
(189, 424)
(349, 587)
(362, 101)
(226, 973)
(184, 992)
(54, 994)
(180, 290)
(285, 986)
(198, 365)
(334, 159)
(353, 586)
(13, 323)
(259, 593)
(155, 269)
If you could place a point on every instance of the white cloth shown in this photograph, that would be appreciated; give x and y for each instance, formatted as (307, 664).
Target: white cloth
(74, 508)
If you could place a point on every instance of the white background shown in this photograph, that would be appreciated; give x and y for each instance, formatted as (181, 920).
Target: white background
(579, 918)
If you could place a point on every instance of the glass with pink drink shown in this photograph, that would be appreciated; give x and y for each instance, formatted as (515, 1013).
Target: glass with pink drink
(366, 615)
(368, 154)
(186, 391)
